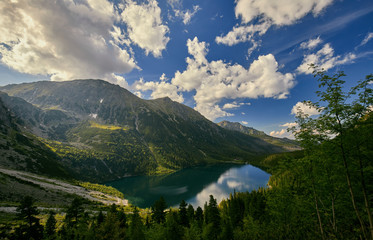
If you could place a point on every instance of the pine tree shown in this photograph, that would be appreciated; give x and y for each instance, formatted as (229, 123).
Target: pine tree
(50, 227)
(26, 212)
(158, 208)
(136, 226)
(183, 216)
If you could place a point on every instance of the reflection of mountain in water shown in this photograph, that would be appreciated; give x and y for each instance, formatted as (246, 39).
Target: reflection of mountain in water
(193, 184)
(242, 179)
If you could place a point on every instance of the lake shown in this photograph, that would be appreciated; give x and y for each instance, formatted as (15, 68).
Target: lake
(194, 185)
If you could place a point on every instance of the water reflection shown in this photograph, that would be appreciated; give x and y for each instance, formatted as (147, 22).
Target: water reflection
(194, 185)
(242, 179)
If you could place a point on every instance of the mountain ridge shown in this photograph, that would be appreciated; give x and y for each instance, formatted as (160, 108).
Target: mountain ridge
(286, 143)
(102, 132)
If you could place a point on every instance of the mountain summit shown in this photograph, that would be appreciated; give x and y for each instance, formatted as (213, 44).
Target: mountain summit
(100, 131)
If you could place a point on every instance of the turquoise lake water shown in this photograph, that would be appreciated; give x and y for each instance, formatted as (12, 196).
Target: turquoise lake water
(194, 185)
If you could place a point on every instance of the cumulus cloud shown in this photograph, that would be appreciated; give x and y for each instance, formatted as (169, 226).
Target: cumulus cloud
(324, 59)
(145, 27)
(62, 39)
(244, 122)
(214, 81)
(234, 105)
(77, 39)
(278, 133)
(257, 16)
(159, 89)
(243, 34)
(284, 133)
(311, 44)
(289, 125)
(304, 108)
(217, 80)
(281, 12)
(230, 105)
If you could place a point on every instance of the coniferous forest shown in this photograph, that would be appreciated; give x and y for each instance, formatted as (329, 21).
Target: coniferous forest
(324, 191)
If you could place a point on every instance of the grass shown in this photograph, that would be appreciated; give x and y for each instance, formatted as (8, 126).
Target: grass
(102, 188)
(106, 127)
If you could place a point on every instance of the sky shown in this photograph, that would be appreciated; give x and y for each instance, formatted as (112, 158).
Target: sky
(243, 61)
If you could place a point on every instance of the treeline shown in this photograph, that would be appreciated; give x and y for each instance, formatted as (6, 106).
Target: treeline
(211, 222)
(323, 192)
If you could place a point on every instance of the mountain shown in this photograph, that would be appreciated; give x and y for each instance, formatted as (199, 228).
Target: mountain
(100, 131)
(21, 150)
(285, 143)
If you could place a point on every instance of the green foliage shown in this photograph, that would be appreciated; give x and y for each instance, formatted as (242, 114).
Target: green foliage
(136, 226)
(50, 227)
(31, 228)
(322, 192)
(102, 188)
(183, 214)
(158, 210)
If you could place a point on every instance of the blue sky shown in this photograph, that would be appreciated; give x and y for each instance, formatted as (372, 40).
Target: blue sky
(244, 61)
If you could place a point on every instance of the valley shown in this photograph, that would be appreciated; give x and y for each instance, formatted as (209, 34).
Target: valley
(96, 131)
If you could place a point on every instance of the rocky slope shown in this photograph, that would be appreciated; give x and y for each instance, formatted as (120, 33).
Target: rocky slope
(288, 144)
(100, 131)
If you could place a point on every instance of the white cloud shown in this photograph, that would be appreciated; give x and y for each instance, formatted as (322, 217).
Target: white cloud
(234, 105)
(283, 133)
(289, 125)
(186, 15)
(145, 27)
(163, 77)
(278, 133)
(367, 38)
(244, 122)
(257, 16)
(311, 44)
(62, 39)
(217, 80)
(159, 90)
(243, 34)
(324, 59)
(304, 108)
(231, 105)
(280, 12)
(175, 4)
(78, 39)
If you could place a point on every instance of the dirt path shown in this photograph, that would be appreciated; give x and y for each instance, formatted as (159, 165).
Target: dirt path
(59, 185)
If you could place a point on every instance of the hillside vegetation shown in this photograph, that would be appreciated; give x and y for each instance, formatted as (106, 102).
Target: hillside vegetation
(322, 192)
(99, 131)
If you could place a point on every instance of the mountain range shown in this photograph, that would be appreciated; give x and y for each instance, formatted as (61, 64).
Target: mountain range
(96, 131)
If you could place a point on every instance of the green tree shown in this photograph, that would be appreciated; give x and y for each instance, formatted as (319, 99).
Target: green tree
(100, 218)
(190, 213)
(74, 212)
(183, 214)
(158, 208)
(173, 229)
(338, 125)
(27, 212)
(199, 216)
(136, 226)
(50, 226)
(212, 219)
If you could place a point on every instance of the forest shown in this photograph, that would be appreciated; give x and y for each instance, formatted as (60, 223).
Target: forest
(324, 191)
